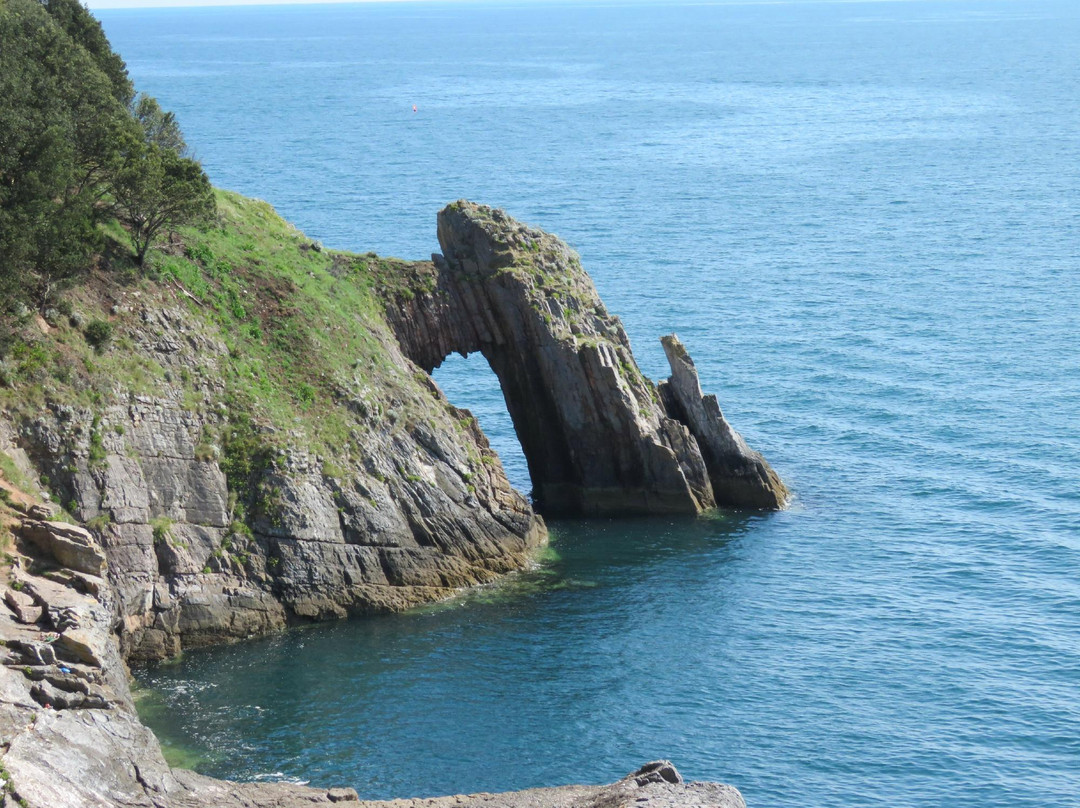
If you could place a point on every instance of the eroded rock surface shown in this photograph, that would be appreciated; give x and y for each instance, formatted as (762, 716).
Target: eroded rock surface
(70, 736)
(413, 505)
(740, 477)
(417, 507)
(598, 435)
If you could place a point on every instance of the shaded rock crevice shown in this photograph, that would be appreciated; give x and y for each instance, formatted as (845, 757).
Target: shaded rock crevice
(598, 436)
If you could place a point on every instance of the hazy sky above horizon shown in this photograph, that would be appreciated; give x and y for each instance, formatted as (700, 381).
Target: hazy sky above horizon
(111, 4)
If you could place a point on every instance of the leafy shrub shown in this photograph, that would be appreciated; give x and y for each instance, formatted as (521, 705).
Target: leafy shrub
(99, 334)
(162, 527)
(97, 451)
(100, 522)
(201, 253)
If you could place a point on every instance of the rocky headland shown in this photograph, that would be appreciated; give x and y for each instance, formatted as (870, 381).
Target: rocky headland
(599, 437)
(259, 443)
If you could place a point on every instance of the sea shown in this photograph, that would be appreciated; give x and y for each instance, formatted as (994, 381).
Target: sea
(863, 219)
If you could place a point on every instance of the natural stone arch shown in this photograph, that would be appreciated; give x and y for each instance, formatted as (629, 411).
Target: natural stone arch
(598, 436)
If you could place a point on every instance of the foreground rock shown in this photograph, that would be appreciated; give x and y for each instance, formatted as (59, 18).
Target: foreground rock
(643, 788)
(70, 736)
(599, 437)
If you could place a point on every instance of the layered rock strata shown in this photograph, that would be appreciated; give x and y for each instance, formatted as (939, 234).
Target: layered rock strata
(420, 510)
(599, 437)
(740, 476)
(70, 736)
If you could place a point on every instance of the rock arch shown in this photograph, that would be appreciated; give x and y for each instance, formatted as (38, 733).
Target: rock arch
(599, 437)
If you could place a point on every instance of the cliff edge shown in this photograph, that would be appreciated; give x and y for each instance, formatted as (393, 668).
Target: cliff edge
(250, 446)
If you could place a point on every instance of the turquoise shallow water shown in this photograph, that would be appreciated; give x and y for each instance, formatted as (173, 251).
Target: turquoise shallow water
(862, 219)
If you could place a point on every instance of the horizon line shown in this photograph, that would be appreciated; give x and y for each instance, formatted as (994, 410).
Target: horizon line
(135, 5)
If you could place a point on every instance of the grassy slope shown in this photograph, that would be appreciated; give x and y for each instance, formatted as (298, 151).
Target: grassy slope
(303, 326)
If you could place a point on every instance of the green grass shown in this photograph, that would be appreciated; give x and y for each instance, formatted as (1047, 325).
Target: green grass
(296, 327)
(14, 476)
(304, 332)
(162, 529)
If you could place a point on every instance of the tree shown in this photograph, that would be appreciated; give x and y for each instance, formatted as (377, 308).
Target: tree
(159, 127)
(60, 123)
(79, 24)
(155, 189)
(72, 135)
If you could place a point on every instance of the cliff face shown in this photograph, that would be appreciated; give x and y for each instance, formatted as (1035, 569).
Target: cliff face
(599, 437)
(256, 441)
(425, 511)
(244, 471)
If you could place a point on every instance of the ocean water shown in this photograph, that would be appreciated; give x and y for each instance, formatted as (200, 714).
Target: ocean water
(862, 218)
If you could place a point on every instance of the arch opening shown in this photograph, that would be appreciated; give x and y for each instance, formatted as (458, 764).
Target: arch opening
(470, 383)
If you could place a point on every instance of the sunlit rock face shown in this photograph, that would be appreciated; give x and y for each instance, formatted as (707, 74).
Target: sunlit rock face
(599, 437)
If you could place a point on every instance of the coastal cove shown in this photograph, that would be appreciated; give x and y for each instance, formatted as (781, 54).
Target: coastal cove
(270, 539)
(557, 657)
(861, 219)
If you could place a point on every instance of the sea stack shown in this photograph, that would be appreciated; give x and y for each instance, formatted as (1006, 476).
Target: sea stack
(599, 437)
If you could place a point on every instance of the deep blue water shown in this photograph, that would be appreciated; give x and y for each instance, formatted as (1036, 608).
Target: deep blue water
(862, 218)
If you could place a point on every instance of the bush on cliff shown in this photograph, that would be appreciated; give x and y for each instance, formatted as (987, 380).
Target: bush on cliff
(156, 189)
(58, 122)
(71, 137)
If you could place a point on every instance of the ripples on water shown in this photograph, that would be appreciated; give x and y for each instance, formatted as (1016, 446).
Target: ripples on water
(862, 219)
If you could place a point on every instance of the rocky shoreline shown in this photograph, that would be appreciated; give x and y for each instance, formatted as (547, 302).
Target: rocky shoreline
(71, 737)
(204, 521)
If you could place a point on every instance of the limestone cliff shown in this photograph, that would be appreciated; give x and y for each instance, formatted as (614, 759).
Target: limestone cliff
(599, 437)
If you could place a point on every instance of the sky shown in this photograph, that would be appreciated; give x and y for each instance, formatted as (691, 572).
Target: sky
(94, 4)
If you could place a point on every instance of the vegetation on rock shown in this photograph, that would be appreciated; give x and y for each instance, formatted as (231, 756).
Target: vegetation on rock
(76, 150)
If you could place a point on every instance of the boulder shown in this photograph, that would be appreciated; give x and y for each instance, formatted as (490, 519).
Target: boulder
(82, 645)
(659, 771)
(26, 611)
(342, 795)
(73, 547)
